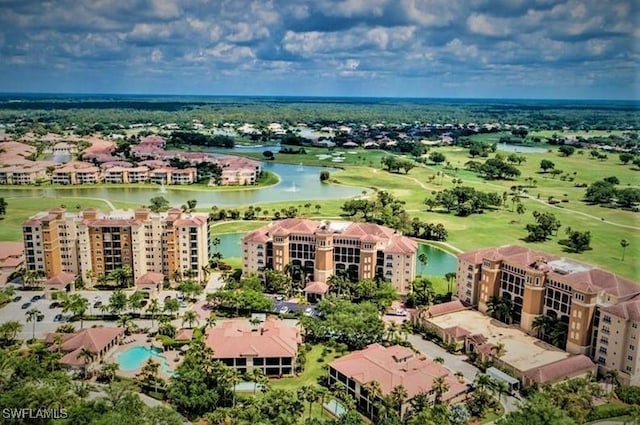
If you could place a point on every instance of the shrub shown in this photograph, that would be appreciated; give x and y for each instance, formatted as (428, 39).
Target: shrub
(609, 410)
(628, 394)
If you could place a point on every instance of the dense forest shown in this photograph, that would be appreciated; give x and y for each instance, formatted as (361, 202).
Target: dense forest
(113, 112)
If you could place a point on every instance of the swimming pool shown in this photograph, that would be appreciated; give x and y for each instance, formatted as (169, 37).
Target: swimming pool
(135, 357)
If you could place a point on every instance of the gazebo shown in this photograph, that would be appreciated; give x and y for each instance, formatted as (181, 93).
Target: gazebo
(63, 281)
(314, 291)
(150, 282)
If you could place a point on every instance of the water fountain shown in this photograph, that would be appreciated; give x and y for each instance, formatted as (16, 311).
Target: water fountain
(300, 167)
(162, 188)
(293, 188)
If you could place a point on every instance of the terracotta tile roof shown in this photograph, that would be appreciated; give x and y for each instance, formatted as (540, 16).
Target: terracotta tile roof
(62, 279)
(583, 277)
(316, 288)
(150, 278)
(257, 236)
(396, 365)
(444, 308)
(562, 369)
(11, 249)
(184, 335)
(192, 221)
(401, 245)
(237, 338)
(368, 229)
(456, 332)
(595, 280)
(93, 339)
(628, 310)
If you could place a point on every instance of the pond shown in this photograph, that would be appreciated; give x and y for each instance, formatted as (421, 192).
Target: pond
(297, 183)
(507, 147)
(439, 261)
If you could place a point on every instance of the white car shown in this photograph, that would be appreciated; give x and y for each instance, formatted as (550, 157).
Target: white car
(284, 309)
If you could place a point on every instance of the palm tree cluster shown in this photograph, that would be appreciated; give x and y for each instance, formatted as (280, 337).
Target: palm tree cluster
(551, 329)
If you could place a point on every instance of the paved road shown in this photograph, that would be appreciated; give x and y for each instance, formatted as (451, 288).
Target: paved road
(456, 363)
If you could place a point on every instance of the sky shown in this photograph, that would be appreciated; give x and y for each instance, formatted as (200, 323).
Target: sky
(574, 49)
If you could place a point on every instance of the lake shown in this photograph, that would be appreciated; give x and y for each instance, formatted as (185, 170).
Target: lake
(507, 147)
(297, 183)
(440, 262)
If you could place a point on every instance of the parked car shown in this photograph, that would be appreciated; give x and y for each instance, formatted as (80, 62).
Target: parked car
(26, 306)
(55, 304)
(284, 309)
(16, 299)
(97, 304)
(57, 318)
(35, 298)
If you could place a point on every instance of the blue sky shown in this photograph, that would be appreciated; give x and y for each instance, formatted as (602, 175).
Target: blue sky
(407, 48)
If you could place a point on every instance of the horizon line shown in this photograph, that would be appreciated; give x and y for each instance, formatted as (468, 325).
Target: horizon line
(315, 96)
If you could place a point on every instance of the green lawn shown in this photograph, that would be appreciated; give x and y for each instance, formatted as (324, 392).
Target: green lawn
(313, 370)
(19, 209)
(222, 227)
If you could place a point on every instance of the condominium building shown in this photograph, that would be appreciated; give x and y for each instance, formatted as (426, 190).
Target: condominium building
(91, 243)
(76, 173)
(321, 249)
(28, 173)
(588, 299)
(126, 175)
(170, 175)
(391, 367)
(271, 346)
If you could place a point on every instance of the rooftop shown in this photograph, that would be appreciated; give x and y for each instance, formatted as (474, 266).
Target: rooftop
(238, 338)
(561, 369)
(396, 365)
(522, 351)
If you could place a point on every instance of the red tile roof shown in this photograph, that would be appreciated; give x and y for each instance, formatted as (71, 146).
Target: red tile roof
(93, 339)
(628, 310)
(562, 369)
(316, 288)
(396, 365)
(401, 245)
(444, 308)
(62, 279)
(150, 278)
(237, 338)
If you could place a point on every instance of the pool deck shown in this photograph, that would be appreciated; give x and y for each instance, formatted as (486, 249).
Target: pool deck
(140, 340)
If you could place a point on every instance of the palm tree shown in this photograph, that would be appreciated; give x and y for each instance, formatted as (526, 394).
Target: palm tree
(340, 392)
(483, 383)
(624, 244)
(439, 387)
(500, 308)
(501, 387)
(124, 322)
(612, 378)
(310, 394)
(374, 393)
(58, 339)
(257, 376)
(558, 334)
(149, 372)
(135, 301)
(10, 329)
(32, 316)
(153, 308)
(399, 394)
(459, 375)
(79, 306)
(190, 317)
(423, 259)
(87, 356)
(212, 320)
(498, 350)
(439, 360)
(542, 324)
(450, 277)
(109, 370)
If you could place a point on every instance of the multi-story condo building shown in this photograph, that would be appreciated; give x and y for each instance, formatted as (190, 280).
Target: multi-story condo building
(125, 175)
(170, 175)
(76, 173)
(271, 346)
(391, 367)
(321, 249)
(91, 243)
(591, 301)
(28, 173)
